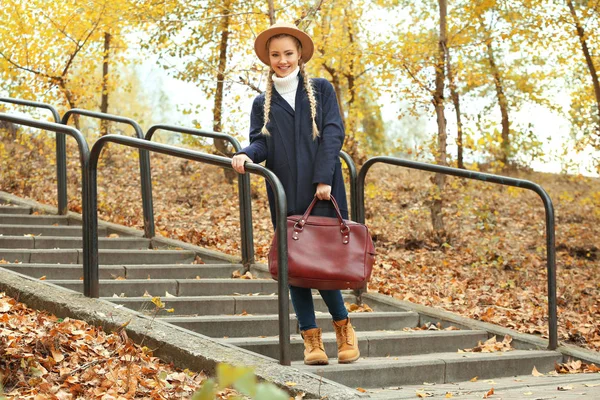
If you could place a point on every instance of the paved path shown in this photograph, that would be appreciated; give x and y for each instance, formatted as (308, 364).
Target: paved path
(575, 386)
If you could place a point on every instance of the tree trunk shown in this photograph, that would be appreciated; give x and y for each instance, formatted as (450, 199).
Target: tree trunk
(221, 145)
(70, 99)
(271, 12)
(351, 144)
(588, 59)
(456, 101)
(10, 128)
(104, 124)
(438, 101)
(502, 101)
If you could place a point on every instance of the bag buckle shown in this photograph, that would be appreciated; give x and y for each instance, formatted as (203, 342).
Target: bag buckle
(298, 227)
(345, 231)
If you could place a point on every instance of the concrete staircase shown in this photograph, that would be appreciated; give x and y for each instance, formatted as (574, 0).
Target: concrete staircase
(243, 312)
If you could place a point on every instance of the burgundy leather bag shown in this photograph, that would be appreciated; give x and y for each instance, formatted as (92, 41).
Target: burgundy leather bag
(326, 253)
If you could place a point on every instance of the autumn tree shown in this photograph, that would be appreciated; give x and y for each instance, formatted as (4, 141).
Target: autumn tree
(51, 51)
(499, 64)
(572, 38)
(348, 55)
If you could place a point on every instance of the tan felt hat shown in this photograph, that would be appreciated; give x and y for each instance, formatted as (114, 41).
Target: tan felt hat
(260, 43)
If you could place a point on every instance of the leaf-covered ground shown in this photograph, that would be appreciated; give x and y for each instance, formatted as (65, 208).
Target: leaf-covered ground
(491, 265)
(44, 357)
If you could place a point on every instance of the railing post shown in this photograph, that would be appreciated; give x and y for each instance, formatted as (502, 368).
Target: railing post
(247, 235)
(61, 151)
(145, 173)
(280, 207)
(90, 281)
(352, 172)
(497, 179)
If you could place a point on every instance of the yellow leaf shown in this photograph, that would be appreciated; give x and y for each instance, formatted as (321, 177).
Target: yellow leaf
(158, 302)
(291, 384)
(448, 395)
(535, 372)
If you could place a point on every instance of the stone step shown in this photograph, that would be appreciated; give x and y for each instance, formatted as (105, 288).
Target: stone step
(110, 256)
(12, 210)
(57, 242)
(377, 372)
(37, 220)
(176, 287)
(373, 343)
(267, 325)
(163, 271)
(216, 305)
(45, 230)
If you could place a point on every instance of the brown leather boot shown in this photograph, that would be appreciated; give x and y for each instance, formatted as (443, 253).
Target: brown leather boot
(347, 342)
(314, 353)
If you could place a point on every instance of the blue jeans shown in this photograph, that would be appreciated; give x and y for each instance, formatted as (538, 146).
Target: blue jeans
(305, 309)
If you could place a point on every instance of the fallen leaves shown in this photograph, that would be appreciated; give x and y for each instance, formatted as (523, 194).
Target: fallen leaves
(575, 367)
(355, 308)
(430, 326)
(535, 372)
(489, 393)
(491, 346)
(45, 357)
(246, 275)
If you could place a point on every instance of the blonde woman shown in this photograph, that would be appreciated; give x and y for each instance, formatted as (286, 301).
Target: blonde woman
(297, 128)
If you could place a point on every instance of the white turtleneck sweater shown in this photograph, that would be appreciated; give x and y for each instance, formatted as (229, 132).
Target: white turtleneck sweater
(287, 86)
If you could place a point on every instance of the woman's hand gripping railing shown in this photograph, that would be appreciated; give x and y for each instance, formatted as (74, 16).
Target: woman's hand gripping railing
(247, 235)
(90, 276)
(145, 175)
(497, 179)
(223, 162)
(61, 151)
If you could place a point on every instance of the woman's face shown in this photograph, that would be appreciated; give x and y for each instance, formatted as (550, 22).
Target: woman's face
(283, 55)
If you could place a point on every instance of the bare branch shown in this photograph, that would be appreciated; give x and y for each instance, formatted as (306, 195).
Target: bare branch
(252, 86)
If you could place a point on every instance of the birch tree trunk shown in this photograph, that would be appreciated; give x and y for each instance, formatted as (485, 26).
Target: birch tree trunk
(221, 145)
(438, 101)
(501, 96)
(104, 124)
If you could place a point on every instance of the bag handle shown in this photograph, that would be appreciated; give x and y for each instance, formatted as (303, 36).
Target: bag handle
(344, 228)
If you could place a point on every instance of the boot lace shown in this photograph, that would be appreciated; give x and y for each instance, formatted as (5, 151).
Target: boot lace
(314, 342)
(344, 333)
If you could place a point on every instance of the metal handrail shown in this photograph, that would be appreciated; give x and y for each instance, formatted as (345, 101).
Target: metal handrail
(61, 151)
(498, 179)
(84, 157)
(223, 162)
(247, 234)
(145, 174)
(352, 171)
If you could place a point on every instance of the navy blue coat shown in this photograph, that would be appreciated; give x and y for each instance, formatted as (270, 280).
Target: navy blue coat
(291, 153)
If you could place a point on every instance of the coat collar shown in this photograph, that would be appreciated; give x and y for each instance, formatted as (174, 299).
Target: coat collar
(276, 98)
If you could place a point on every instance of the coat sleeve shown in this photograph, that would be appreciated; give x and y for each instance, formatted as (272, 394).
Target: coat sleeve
(257, 149)
(332, 136)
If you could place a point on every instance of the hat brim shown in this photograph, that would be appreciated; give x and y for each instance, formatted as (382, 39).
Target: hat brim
(260, 43)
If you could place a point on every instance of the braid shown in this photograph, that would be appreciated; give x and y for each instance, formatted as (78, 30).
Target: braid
(267, 106)
(311, 99)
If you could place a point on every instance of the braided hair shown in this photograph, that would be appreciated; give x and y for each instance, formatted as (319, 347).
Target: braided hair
(307, 86)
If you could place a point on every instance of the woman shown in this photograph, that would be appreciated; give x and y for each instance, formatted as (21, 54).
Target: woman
(297, 128)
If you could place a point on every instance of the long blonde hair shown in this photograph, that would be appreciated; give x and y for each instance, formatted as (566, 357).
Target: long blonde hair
(307, 86)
